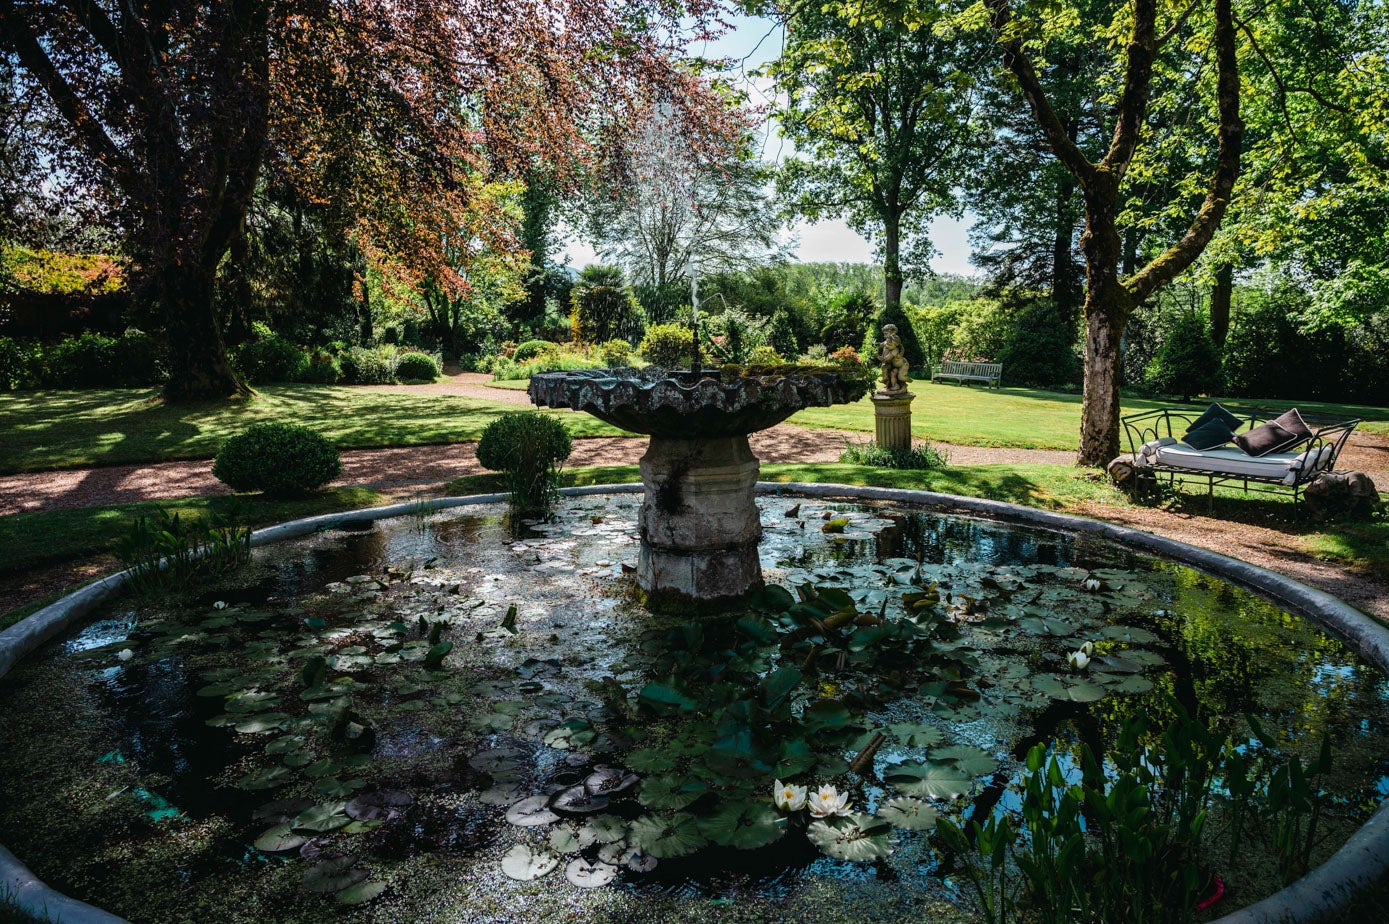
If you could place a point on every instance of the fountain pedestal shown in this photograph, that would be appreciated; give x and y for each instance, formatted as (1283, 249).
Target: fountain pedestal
(699, 523)
(892, 419)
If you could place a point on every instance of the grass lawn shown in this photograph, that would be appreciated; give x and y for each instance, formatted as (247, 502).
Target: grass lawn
(47, 430)
(1049, 486)
(510, 384)
(1027, 418)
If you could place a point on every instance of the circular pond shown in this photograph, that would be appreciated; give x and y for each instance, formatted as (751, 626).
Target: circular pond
(439, 718)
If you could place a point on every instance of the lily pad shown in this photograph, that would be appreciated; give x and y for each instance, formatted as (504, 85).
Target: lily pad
(360, 894)
(666, 836)
(524, 864)
(606, 829)
(269, 778)
(916, 736)
(333, 875)
(577, 800)
(745, 825)
(320, 819)
(649, 760)
(382, 805)
(858, 838)
(670, 793)
(499, 762)
(569, 839)
(261, 724)
(911, 814)
(610, 781)
(280, 839)
(1133, 684)
(588, 875)
(1130, 634)
(928, 780)
(503, 794)
(574, 733)
(531, 811)
(969, 759)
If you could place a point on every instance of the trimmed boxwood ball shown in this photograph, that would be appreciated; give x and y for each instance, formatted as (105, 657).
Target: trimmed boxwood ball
(529, 448)
(281, 459)
(417, 366)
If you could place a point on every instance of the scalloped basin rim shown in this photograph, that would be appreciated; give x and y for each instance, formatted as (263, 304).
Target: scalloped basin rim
(1334, 887)
(681, 404)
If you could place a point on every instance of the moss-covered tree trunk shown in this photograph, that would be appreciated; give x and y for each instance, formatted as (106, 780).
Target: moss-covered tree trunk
(892, 312)
(1109, 297)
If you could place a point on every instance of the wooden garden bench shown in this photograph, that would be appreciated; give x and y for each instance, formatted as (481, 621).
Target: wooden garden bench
(988, 373)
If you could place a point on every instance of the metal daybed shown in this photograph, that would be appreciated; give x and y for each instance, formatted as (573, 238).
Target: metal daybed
(1155, 441)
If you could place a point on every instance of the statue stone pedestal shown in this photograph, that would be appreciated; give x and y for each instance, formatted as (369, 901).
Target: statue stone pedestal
(892, 419)
(699, 523)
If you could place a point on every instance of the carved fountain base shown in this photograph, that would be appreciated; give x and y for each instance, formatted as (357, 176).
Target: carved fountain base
(699, 523)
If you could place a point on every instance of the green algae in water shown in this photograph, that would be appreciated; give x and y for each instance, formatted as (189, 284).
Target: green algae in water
(313, 689)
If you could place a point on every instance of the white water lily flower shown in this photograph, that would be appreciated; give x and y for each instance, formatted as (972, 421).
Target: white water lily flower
(827, 801)
(220, 605)
(1093, 584)
(789, 797)
(125, 654)
(1088, 649)
(1078, 660)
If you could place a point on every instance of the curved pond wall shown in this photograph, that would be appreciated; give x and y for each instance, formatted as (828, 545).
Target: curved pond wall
(1330, 889)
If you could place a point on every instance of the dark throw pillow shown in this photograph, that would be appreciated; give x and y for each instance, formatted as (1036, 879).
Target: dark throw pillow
(1215, 413)
(1277, 435)
(1209, 435)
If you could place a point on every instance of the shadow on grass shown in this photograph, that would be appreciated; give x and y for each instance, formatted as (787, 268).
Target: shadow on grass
(53, 430)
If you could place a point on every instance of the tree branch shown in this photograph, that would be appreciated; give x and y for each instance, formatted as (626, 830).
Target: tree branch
(1182, 254)
(72, 107)
(1177, 23)
(1016, 60)
(1138, 78)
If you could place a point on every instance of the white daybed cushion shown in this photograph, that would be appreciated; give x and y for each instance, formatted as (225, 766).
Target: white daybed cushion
(1148, 450)
(1283, 466)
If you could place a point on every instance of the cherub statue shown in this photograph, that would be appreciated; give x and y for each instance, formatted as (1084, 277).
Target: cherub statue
(894, 362)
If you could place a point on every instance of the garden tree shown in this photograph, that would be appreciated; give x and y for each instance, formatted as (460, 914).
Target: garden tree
(880, 112)
(537, 237)
(293, 267)
(1186, 34)
(1029, 208)
(1314, 194)
(487, 277)
(604, 308)
(1187, 363)
(666, 207)
(393, 109)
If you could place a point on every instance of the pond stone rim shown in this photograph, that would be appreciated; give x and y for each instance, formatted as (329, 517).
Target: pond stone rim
(1361, 863)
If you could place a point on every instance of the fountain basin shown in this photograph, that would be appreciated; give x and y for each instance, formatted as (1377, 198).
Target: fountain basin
(698, 524)
(1363, 858)
(679, 404)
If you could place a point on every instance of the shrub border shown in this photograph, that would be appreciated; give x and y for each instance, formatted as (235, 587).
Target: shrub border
(1360, 864)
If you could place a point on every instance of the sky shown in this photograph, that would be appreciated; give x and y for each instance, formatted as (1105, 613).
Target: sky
(754, 41)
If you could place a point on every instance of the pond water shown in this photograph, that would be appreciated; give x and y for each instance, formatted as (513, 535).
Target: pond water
(439, 718)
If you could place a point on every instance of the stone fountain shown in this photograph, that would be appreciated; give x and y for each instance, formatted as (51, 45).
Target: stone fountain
(699, 524)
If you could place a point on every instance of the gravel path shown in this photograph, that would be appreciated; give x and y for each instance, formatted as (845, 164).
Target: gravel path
(416, 468)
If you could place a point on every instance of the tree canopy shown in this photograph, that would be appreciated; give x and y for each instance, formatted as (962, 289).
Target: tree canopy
(392, 117)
